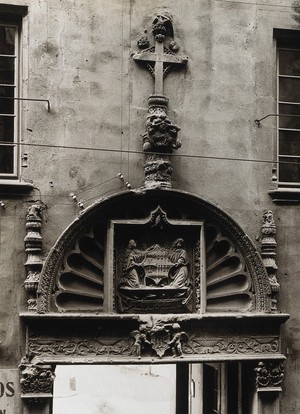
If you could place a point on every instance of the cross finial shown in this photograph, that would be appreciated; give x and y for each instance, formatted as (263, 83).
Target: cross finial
(160, 138)
(160, 59)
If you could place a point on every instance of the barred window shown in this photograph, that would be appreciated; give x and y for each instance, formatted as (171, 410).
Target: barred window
(289, 119)
(9, 108)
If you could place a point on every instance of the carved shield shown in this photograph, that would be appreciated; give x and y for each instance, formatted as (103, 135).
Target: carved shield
(157, 266)
(160, 339)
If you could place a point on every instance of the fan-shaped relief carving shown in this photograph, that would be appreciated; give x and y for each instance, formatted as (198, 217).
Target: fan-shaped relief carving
(80, 280)
(228, 282)
(236, 277)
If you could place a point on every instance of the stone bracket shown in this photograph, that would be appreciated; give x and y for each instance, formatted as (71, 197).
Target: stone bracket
(36, 382)
(269, 376)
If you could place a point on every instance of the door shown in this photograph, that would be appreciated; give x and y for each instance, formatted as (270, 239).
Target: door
(220, 388)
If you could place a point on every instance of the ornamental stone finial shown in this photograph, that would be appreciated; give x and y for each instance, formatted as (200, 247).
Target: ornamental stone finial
(160, 138)
(33, 247)
(268, 253)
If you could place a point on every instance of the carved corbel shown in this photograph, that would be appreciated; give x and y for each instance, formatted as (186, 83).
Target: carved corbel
(36, 382)
(33, 247)
(269, 376)
(268, 254)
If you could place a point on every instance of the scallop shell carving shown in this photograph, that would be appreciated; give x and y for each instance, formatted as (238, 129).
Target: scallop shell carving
(228, 283)
(80, 282)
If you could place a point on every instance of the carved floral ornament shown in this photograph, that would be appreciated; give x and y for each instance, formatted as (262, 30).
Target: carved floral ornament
(36, 382)
(269, 375)
(156, 339)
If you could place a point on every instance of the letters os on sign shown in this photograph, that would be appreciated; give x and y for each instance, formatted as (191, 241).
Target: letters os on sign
(10, 401)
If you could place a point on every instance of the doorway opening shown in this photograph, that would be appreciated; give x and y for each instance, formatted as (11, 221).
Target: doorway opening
(197, 388)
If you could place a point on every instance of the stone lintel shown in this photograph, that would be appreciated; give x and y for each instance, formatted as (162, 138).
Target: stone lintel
(154, 337)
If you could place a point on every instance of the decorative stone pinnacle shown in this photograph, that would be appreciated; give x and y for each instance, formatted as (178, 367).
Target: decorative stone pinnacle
(268, 253)
(160, 138)
(33, 247)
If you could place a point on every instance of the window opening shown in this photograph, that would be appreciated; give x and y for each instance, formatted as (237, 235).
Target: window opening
(289, 126)
(9, 108)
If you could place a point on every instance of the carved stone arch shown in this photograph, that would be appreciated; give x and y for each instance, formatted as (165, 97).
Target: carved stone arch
(92, 226)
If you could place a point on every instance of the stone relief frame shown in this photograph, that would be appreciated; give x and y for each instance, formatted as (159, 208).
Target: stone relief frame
(155, 339)
(212, 213)
(171, 264)
(106, 337)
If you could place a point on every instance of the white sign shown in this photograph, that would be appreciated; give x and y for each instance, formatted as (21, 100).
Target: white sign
(9, 391)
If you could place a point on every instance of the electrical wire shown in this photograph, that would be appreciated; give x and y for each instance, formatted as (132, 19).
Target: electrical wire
(259, 4)
(114, 150)
(96, 185)
(41, 195)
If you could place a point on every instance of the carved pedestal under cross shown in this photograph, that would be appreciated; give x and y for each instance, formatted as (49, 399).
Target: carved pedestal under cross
(160, 138)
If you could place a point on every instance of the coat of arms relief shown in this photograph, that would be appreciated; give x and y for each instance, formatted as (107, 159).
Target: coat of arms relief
(157, 264)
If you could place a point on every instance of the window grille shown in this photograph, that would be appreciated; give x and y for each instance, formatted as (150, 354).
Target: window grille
(9, 108)
(288, 124)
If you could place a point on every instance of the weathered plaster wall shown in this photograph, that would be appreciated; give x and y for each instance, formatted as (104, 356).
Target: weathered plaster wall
(76, 53)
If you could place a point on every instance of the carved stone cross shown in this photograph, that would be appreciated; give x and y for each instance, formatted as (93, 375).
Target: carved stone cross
(161, 58)
(160, 138)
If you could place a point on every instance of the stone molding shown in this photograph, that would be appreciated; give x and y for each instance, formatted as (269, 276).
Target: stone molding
(154, 336)
(154, 342)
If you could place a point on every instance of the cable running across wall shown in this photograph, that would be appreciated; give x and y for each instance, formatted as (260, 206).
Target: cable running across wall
(258, 4)
(113, 150)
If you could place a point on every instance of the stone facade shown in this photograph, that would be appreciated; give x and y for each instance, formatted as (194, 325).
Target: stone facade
(98, 141)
